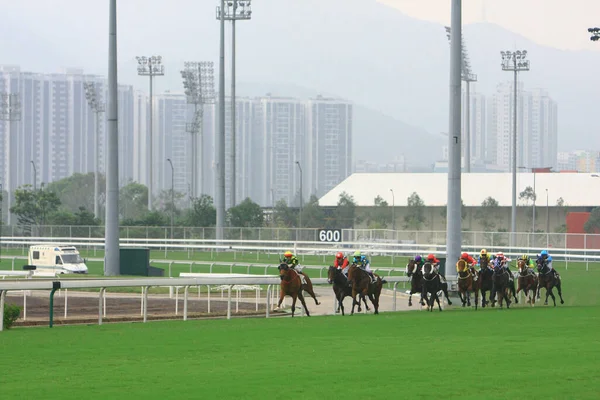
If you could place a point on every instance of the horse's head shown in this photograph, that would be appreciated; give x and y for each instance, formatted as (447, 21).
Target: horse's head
(411, 268)
(483, 262)
(522, 267)
(284, 270)
(542, 266)
(428, 270)
(462, 266)
(331, 274)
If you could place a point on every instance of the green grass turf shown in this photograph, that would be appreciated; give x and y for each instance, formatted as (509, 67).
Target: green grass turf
(547, 353)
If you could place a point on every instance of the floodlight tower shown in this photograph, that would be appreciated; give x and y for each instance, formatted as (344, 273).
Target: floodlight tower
(514, 61)
(234, 10)
(199, 86)
(91, 96)
(150, 67)
(595, 34)
(467, 76)
(10, 111)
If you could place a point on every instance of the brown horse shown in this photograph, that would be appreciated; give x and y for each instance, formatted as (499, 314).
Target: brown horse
(361, 285)
(527, 282)
(291, 285)
(549, 281)
(413, 271)
(485, 283)
(342, 288)
(467, 283)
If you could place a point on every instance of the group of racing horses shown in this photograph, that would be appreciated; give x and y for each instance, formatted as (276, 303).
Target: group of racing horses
(357, 284)
(498, 282)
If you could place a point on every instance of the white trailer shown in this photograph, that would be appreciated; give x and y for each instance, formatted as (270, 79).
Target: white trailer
(58, 259)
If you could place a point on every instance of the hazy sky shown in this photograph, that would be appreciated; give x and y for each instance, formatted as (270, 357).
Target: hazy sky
(558, 23)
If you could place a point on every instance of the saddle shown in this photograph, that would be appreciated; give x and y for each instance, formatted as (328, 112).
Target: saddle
(302, 276)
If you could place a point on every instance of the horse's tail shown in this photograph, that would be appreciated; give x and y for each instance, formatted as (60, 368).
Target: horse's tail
(383, 281)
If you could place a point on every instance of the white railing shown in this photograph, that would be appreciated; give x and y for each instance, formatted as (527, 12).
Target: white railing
(146, 283)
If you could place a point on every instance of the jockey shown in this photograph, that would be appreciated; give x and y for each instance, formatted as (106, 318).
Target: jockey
(548, 259)
(341, 262)
(362, 262)
(528, 261)
(469, 260)
(483, 255)
(290, 259)
(502, 261)
(419, 261)
(432, 259)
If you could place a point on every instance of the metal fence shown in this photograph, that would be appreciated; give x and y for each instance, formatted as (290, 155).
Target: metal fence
(494, 240)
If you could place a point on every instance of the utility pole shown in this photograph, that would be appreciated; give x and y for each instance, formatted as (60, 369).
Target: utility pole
(10, 111)
(150, 67)
(111, 231)
(34, 176)
(514, 62)
(91, 96)
(220, 137)
(454, 220)
(234, 10)
(467, 76)
(199, 86)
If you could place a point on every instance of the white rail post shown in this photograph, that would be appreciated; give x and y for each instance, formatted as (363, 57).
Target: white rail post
(257, 297)
(176, 300)
(268, 300)
(185, 303)
(24, 305)
(395, 288)
(237, 300)
(2, 297)
(146, 303)
(229, 302)
(66, 301)
(142, 303)
(208, 298)
(101, 305)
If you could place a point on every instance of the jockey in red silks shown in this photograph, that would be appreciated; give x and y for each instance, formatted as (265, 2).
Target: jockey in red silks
(341, 262)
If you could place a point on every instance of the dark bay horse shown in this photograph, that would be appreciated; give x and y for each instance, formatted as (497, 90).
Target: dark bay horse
(432, 285)
(342, 288)
(361, 285)
(467, 283)
(416, 280)
(549, 281)
(501, 280)
(485, 283)
(291, 285)
(527, 282)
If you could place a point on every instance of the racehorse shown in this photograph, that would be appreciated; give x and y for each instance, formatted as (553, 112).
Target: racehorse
(432, 284)
(548, 280)
(361, 284)
(485, 282)
(467, 283)
(291, 285)
(342, 288)
(416, 281)
(527, 282)
(501, 280)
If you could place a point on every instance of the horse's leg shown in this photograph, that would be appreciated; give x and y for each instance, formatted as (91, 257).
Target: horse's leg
(354, 294)
(437, 298)
(552, 295)
(364, 299)
(301, 297)
(341, 303)
(559, 289)
(308, 288)
(483, 301)
(445, 290)
(375, 302)
(294, 297)
(281, 297)
(462, 300)
(514, 292)
(410, 298)
(468, 298)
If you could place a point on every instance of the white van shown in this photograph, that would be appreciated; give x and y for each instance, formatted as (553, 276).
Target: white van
(59, 259)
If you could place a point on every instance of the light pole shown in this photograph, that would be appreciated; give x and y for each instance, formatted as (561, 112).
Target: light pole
(454, 220)
(10, 111)
(150, 67)
(220, 136)
(91, 96)
(467, 76)
(111, 233)
(234, 10)
(199, 86)
(172, 194)
(547, 221)
(393, 211)
(34, 176)
(301, 200)
(514, 62)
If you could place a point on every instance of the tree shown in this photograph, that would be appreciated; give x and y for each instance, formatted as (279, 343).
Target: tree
(203, 213)
(77, 191)
(167, 202)
(463, 211)
(528, 195)
(488, 213)
(415, 213)
(33, 207)
(560, 202)
(345, 212)
(379, 215)
(245, 215)
(592, 225)
(133, 201)
(313, 215)
(284, 216)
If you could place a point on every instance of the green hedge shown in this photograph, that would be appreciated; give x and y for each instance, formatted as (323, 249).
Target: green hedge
(11, 314)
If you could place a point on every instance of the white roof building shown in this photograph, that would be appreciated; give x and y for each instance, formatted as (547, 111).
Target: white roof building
(575, 189)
